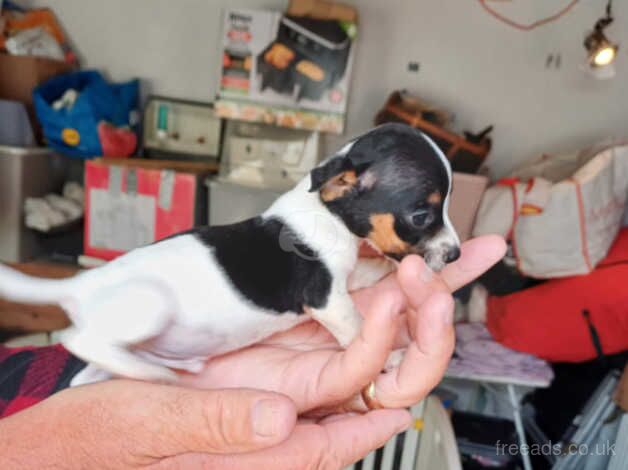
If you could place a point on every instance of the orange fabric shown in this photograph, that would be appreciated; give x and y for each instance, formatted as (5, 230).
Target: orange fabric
(36, 18)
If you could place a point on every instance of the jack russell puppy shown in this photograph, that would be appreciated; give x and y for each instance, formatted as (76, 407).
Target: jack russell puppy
(173, 304)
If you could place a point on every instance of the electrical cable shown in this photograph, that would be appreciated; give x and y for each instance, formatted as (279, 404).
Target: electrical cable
(535, 24)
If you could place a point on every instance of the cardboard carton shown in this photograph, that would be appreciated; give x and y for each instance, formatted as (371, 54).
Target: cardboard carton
(134, 202)
(322, 10)
(20, 74)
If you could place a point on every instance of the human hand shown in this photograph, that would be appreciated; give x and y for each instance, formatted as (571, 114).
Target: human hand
(307, 364)
(125, 424)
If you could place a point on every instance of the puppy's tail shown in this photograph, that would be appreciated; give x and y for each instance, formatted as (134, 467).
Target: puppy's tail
(19, 287)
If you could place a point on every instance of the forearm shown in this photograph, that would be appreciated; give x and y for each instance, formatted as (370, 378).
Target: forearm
(34, 439)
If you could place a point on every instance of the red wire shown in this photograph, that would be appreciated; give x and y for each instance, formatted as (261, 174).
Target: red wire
(528, 27)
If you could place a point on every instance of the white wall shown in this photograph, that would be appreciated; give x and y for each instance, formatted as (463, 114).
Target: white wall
(471, 64)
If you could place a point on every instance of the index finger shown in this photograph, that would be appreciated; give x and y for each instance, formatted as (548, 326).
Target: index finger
(477, 256)
(345, 373)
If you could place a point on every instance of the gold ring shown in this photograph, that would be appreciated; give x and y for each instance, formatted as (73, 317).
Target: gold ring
(369, 398)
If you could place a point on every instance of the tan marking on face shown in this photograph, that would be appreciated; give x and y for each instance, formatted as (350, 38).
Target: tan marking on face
(383, 234)
(338, 185)
(435, 198)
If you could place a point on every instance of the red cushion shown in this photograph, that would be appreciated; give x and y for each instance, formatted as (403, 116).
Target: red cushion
(548, 321)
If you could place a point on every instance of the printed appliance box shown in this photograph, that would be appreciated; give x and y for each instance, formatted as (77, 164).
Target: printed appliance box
(292, 71)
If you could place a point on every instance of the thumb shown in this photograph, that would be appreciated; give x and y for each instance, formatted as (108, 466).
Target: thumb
(159, 421)
(223, 421)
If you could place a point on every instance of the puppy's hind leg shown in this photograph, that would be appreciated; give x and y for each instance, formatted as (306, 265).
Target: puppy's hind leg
(115, 319)
(115, 359)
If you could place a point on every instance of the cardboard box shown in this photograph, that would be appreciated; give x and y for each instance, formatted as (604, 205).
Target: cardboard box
(465, 201)
(20, 74)
(322, 9)
(134, 202)
(292, 71)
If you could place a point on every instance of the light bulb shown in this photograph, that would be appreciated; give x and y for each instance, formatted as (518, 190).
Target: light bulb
(604, 56)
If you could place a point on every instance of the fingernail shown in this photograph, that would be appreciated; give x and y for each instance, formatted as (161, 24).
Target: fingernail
(265, 417)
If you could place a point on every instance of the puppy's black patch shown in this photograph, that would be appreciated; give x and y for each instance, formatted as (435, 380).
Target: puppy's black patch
(269, 265)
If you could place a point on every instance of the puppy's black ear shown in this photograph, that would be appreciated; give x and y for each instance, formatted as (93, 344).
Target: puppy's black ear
(334, 178)
(333, 167)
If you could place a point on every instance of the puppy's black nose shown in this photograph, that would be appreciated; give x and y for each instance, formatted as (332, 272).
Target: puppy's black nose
(452, 254)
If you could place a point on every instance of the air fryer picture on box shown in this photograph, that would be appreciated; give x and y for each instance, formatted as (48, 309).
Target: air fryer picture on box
(292, 71)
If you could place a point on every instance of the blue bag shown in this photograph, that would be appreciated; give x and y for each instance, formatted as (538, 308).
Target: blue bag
(74, 131)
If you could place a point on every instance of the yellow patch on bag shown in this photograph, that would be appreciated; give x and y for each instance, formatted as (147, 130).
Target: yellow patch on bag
(70, 136)
(529, 209)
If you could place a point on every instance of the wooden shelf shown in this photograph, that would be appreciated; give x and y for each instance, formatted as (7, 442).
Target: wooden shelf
(25, 318)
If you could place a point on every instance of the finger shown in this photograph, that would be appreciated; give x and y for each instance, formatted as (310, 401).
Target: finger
(355, 404)
(477, 256)
(333, 445)
(425, 359)
(346, 372)
(337, 417)
(417, 282)
(352, 438)
(175, 420)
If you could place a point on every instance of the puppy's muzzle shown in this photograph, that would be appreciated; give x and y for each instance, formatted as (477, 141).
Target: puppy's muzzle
(436, 259)
(441, 250)
(451, 254)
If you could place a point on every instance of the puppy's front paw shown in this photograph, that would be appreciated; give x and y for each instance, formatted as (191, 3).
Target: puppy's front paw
(394, 359)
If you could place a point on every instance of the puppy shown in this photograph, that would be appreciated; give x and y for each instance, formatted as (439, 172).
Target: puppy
(211, 290)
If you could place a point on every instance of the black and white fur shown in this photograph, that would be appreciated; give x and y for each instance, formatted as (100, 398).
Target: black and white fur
(173, 304)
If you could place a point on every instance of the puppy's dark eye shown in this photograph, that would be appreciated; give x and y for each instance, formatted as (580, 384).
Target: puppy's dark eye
(422, 218)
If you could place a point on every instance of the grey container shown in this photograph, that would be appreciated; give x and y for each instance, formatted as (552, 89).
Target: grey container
(230, 202)
(24, 172)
